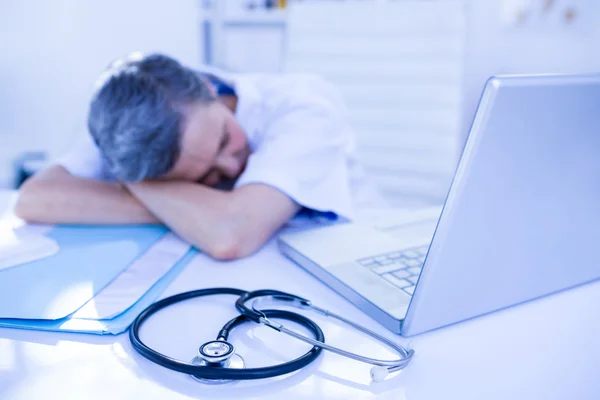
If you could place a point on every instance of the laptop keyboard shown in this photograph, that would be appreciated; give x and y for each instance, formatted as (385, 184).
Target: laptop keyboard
(400, 268)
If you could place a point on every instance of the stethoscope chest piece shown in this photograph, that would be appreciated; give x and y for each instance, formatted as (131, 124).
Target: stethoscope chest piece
(217, 354)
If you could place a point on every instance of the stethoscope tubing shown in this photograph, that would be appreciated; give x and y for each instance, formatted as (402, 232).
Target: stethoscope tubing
(223, 373)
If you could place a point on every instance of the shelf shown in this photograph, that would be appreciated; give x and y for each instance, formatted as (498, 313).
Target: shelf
(259, 18)
(250, 20)
(241, 16)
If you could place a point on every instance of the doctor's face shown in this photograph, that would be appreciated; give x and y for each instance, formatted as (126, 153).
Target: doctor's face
(214, 147)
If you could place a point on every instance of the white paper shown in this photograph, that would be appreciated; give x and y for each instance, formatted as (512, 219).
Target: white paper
(20, 248)
(129, 286)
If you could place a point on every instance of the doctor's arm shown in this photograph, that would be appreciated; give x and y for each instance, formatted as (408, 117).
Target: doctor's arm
(225, 224)
(55, 196)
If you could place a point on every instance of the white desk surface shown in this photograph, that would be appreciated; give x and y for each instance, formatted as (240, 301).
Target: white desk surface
(545, 349)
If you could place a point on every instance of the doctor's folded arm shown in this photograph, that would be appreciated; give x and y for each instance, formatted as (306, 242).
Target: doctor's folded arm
(223, 160)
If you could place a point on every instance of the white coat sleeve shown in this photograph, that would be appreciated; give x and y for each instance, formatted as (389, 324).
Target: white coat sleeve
(303, 154)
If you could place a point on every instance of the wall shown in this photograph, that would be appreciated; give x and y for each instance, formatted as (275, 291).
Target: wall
(52, 51)
(496, 43)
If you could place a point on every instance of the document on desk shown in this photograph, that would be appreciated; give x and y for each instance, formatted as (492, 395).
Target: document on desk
(90, 258)
(113, 326)
(21, 248)
(98, 282)
(131, 284)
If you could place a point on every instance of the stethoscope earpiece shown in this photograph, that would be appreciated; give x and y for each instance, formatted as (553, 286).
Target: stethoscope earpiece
(379, 373)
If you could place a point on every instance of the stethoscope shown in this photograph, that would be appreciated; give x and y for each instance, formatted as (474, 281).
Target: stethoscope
(217, 362)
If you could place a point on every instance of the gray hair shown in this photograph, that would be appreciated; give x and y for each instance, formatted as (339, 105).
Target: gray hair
(134, 116)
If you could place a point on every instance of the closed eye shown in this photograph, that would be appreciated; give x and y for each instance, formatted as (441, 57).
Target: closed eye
(224, 140)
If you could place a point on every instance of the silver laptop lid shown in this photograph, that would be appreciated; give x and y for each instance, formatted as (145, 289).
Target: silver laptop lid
(522, 218)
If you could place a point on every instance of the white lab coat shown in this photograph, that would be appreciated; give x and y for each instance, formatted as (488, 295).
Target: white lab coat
(300, 139)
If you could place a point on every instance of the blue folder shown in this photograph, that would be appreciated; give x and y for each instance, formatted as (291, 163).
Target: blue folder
(44, 294)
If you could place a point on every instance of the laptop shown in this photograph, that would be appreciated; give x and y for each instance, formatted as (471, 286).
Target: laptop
(521, 218)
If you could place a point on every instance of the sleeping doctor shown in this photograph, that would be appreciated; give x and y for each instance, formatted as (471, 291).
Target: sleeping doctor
(223, 160)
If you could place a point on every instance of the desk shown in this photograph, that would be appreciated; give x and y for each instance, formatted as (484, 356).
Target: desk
(546, 349)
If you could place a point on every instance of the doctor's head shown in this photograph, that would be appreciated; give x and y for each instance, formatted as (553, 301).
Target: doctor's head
(153, 118)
